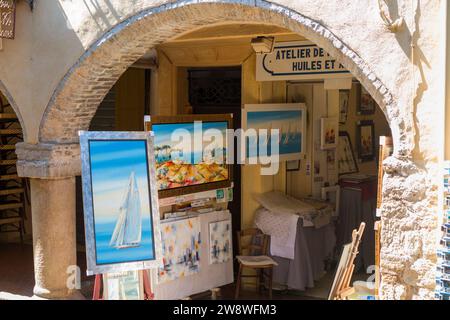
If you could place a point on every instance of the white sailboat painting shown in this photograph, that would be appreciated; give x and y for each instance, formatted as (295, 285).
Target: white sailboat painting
(122, 214)
(128, 230)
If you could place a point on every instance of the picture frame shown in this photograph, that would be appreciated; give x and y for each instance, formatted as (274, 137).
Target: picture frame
(346, 159)
(366, 104)
(220, 242)
(121, 211)
(289, 118)
(182, 239)
(293, 165)
(127, 285)
(329, 131)
(344, 100)
(190, 172)
(365, 135)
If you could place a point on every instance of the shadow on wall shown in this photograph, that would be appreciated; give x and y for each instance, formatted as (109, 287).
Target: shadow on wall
(410, 47)
(100, 16)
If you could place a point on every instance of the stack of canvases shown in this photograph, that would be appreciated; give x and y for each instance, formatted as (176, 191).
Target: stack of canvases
(443, 278)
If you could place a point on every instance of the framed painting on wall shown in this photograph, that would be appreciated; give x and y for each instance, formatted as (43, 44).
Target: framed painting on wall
(366, 104)
(121, 211)
(288, 118)
(346, 159)
(127, 285)
(344, 99)
(191, 153)
(365, 135)
(181, 249)
(329, 128)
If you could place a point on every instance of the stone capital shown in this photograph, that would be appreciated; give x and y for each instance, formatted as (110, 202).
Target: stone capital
(48, 160)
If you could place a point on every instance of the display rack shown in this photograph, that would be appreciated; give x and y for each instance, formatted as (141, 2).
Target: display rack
(12, 187)
(443, 274)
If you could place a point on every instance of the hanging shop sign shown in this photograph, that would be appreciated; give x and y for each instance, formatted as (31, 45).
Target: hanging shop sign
(7, 18)
(300, 60)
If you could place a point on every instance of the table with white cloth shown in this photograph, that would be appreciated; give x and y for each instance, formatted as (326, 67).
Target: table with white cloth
(302, 261)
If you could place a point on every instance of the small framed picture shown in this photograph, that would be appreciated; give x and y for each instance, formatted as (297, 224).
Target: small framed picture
(329, 129)
(293, 165)
(346, 160)
(127, 285)
(366, 104)
(365, 140)
(344, 99)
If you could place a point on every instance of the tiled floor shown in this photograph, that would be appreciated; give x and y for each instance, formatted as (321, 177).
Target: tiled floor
(16, 277)
(17, 270)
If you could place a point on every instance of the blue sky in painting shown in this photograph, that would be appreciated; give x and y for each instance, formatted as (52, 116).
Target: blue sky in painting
(271, 116)
(207, 136)
(111, 165)
(163, 132)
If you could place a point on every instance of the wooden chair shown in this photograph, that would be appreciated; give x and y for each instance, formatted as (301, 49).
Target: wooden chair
(252, 255)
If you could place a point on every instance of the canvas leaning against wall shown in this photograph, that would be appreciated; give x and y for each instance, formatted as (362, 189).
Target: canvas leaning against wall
(220, 242)
(188, 156)
(120, 202)
(288, 118)
(181, 249)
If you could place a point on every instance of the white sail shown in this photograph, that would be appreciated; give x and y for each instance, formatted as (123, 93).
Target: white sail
(128, 230)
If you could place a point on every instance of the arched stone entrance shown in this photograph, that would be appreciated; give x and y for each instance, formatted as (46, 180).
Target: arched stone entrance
(55, 160)
(13, 105)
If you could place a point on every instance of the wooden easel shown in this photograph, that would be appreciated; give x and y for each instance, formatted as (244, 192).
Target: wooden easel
(344, 289)
(148, 294)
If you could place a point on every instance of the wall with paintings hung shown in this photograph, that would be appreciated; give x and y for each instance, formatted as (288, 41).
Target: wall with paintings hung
(320, 163)
(363, 116)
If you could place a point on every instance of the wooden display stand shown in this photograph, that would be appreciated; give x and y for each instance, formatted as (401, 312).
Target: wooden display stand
(343, 278)
(148, 295)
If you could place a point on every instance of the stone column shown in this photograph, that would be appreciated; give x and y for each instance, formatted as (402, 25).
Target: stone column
(52, 169)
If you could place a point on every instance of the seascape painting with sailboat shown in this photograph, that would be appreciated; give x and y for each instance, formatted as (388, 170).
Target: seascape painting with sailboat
(290, 137)
(120, 190)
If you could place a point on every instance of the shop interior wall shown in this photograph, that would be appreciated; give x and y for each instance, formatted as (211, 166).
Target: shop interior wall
(169, 96)
(381, 129)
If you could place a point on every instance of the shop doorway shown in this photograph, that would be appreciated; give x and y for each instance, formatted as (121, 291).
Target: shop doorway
(218, 91)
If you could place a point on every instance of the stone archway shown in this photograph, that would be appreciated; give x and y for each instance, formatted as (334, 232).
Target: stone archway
(14, 106)
(78, 95)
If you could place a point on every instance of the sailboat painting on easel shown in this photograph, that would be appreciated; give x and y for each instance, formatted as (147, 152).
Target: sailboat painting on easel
(121, 215)
(121, 207)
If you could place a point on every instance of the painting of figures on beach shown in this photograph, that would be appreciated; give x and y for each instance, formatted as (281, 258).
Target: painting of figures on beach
(220, 242)
(289, 119)
(181, 246)
(121, 203)
(182, 163)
